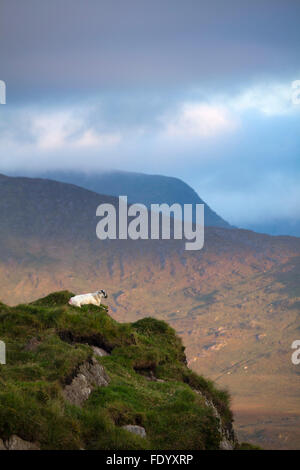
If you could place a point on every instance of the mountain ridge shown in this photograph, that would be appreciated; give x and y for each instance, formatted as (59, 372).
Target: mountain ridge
(139, 188)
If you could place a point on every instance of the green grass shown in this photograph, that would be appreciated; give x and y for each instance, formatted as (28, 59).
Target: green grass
(247, 446)
(31, 383)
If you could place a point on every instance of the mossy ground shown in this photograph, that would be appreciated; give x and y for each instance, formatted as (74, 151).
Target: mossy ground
(31, 400)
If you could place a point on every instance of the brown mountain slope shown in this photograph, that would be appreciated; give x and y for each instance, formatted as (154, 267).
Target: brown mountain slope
(235, 303)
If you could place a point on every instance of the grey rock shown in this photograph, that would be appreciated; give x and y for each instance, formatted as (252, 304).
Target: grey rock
(95, 373)
(78, 391)
(225, 444)
(16, 443)
(90, 375)
(99, 351)
(139, 430)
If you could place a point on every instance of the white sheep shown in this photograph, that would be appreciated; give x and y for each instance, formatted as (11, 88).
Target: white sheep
(86, 299)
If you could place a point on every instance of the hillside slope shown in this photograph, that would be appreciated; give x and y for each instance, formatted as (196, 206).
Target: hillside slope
(60, 390)
(235, 303)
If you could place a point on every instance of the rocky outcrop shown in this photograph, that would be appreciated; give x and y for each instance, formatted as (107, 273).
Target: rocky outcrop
(225, 444)
(138, 430)
(99, 351)
(90, 374)
(16, 443)
(228, 440)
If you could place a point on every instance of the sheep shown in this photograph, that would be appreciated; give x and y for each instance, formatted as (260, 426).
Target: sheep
(86, 299)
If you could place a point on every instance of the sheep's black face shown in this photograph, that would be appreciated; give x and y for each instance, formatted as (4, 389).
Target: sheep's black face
(104, 293)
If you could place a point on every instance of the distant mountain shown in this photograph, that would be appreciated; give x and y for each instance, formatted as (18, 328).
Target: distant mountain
(139, 188)
(235, 303)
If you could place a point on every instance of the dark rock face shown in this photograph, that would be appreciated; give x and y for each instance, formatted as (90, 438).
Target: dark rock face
(2, 446)
(90, 375)
(96, 340)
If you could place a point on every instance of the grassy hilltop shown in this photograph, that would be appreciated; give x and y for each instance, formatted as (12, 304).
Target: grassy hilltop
(150, 384)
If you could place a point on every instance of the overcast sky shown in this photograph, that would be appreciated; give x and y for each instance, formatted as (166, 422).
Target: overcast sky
(197, 90)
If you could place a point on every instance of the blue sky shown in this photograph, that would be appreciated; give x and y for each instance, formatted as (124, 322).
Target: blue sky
(189, 89)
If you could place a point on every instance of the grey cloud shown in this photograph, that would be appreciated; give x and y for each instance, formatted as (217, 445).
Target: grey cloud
(89, 44)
